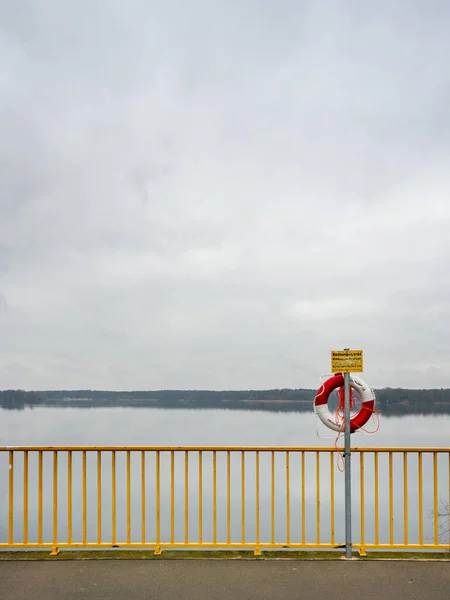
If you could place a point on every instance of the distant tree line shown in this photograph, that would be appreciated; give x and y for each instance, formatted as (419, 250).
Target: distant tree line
(393, 401)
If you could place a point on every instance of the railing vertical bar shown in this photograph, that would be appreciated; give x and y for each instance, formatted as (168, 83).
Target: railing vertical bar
(143, 501)
(362, 496)
(303, 499)
(158, 497)
(448, 502)
(113, 498)
(377, 505)
(214, 497)
(200, 497)
(318, 497)
(40, 488)
(69, 497)
(257, 497)
(420, 492)
(391, 501)
(273, 499)
(99, 496)
(25, 497)
(172, 497)
(436, 497)
(84, 494)
(55, 499)
(405, 499)
(128, 497)
(228, 497)
(186, 497)
(11, 497)
(288, 499)
(243, 496)
(332, 507)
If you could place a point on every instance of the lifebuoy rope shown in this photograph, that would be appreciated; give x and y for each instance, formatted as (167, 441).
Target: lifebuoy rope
(339, 417)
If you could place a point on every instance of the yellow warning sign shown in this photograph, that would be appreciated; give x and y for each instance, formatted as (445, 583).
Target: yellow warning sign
(347, 361)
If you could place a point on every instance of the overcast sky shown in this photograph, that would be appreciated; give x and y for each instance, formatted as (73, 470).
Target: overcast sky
(213, 194)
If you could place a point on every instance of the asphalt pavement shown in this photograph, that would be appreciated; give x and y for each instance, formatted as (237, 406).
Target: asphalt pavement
(224, 580)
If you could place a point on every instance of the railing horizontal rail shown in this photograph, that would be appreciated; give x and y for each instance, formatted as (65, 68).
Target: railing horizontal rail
(227, 448)
(259, 497)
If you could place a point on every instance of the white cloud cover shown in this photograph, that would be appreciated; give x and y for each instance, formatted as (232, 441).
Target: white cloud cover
(216, 194)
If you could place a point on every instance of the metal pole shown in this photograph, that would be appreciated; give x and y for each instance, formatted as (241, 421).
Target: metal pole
(348, 474)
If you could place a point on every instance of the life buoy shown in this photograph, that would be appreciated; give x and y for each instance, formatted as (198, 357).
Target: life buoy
(367, 397)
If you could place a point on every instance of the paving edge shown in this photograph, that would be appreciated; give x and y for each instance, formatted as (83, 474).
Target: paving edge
(213, 555)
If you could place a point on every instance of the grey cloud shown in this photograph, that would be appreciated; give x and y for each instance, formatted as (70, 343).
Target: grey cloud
(206, 195)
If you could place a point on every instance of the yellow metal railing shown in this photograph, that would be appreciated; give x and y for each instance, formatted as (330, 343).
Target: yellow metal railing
(222, 497)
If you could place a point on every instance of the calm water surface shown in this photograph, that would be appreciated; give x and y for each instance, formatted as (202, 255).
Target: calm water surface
(160, 427)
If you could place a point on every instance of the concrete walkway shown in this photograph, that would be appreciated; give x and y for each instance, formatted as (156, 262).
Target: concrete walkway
(224, 580)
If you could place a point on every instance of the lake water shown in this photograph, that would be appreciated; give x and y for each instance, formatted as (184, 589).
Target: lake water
(178, 427)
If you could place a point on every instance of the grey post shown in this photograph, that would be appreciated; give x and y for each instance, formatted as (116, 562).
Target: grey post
(348, 465)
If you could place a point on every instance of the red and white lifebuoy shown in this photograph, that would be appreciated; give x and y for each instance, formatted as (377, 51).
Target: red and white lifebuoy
(367, 397)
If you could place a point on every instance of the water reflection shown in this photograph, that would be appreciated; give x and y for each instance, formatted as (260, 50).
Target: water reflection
(121, 426)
